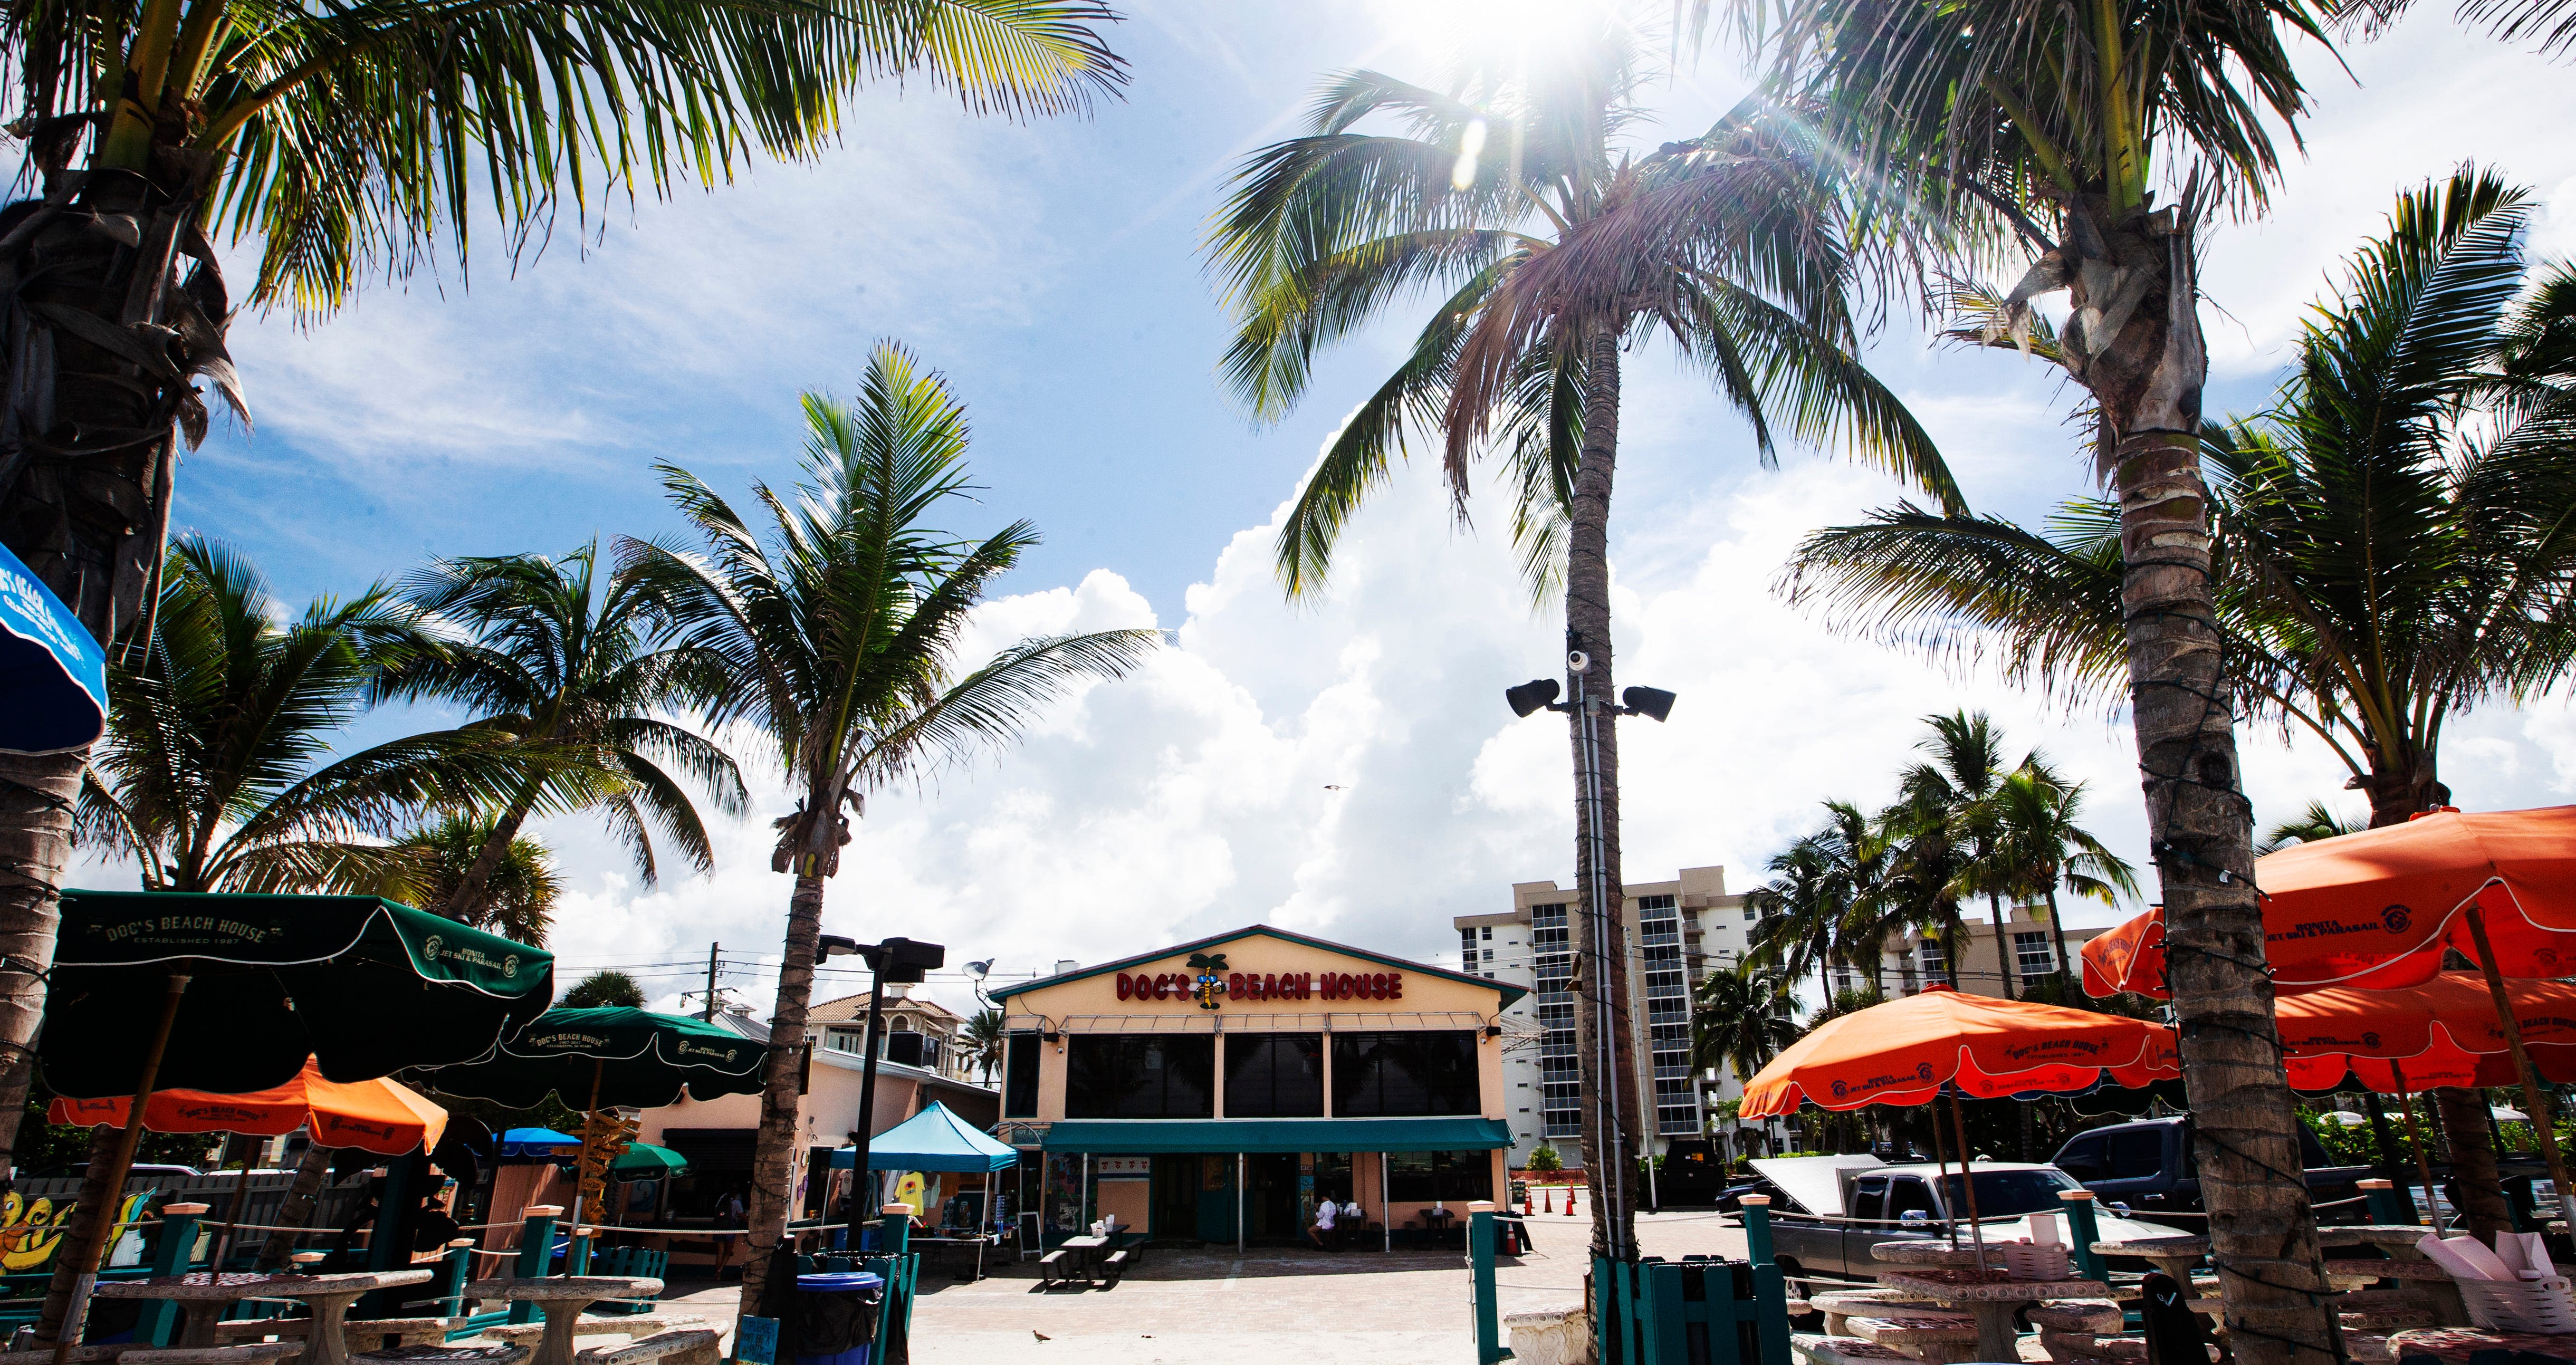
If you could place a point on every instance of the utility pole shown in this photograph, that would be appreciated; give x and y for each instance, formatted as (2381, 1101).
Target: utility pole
(712, 949)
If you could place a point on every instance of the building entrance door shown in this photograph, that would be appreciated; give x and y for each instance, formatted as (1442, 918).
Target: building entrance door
(1176, 1197)
(1270, 1203)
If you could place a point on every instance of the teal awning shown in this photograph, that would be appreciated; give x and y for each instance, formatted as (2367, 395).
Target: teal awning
(1147, 1137)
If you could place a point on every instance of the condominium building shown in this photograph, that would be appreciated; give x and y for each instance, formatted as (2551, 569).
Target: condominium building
(1676, 932)
(1915, 961)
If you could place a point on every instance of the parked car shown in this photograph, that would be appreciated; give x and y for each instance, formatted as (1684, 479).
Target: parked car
(1838, 1207)
(2149, 1167)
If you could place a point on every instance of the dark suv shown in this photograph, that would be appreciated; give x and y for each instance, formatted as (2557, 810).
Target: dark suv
(2149, 1166)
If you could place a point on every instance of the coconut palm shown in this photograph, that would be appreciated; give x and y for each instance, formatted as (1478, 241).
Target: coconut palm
(603, 990)
(1741, 1019)
(217, 771)
(515, 897)
(833, 641)
(1818, 912)
(2318, 821)
(1511, 198)
(2040, 849)
(2397, 536)
(985, 1039)
(334, 141)
(558, 656)
(1947, 810)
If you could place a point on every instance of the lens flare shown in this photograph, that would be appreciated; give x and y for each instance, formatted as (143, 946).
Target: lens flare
(1470, 144)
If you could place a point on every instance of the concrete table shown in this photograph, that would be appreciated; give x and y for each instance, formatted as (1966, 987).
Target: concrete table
(2397, 1239)
(1991, 1297)
(2458, 1343)
(1919, 1251)
(562, 1298)
(204, 1298)
(2174, 1256)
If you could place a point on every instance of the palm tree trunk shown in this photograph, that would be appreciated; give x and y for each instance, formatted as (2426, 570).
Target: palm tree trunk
(302, 1197)
(2003, 944)
(466, 899)
(2057, 937)
(36, 796)
(2476, 1183)
(1609, 1158)
(2147, 378)
(773, 1158)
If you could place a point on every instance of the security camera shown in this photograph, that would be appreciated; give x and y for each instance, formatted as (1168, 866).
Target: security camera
(1577, 661)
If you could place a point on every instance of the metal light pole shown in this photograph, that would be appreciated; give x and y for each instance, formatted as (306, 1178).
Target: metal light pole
(1605, 947)
(896, 959)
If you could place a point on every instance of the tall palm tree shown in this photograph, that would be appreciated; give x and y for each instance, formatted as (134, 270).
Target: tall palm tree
(335, 141)
(833, 640)
(1512, 198)
(516, 896)
(985, 1038)
(2396, 537)
(217, 771)
(558, 656)
(1948, 802)
(1825, 906)
(2041, 848)
(1741, 1019)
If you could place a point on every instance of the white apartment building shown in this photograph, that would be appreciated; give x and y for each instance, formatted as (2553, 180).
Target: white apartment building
(1677, 932)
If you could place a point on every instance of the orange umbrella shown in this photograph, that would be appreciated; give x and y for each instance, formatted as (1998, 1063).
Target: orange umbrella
(2378, 908)
(382, 1116)
(1904, 1051)
(2442, 1033)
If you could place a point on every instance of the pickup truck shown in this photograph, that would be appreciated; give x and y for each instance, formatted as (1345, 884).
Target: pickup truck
(1832, 1209)
(2148, 1166)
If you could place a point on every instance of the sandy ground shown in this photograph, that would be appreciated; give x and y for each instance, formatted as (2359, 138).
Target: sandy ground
(1184, 1307)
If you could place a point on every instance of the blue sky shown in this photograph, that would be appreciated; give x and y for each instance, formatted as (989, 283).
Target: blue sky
(1050, 271)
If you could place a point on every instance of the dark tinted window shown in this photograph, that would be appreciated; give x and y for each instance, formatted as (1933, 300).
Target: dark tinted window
(1869, 1198)
(2003, 1194)
(1378, 1074)
(1274, 1076)
(1451, 1177)
(2134, 1153)
(1114, 1076)
(2082, 1158)
(1020, 1077)
(1905, 1195)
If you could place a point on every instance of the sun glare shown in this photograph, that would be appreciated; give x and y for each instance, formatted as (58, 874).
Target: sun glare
(1514, 29)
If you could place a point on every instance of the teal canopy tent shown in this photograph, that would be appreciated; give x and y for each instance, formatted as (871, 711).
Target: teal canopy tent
(932, 1140)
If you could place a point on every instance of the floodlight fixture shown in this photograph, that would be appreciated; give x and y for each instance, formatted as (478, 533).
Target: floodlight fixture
(1654, 703)
(901, 959)
(830, 946)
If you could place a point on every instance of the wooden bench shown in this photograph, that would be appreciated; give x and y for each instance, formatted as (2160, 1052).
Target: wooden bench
(1052, 1268)
(687, 1346)
(366, 1334)
(528, 1333)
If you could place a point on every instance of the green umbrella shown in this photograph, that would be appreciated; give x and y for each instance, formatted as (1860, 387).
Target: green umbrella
(644, 1161)
(230, 993)
(364, 986)
(613, 1056)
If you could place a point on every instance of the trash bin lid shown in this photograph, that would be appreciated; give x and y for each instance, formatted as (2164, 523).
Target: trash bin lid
(838, 1282)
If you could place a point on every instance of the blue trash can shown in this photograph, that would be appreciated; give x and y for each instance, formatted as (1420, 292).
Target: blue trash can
(835, 1317)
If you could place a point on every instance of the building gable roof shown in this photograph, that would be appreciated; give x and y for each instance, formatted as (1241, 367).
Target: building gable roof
(1508, 992)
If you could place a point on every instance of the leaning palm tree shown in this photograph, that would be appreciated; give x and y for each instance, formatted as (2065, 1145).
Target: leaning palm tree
(1823, 907)
(833, 642)
(515, 895)
(985, 1039)
(1550, 246)
(559, 657)
(330, 142)
(217, 771)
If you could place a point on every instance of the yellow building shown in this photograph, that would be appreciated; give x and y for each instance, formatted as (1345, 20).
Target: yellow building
(1215, 1090)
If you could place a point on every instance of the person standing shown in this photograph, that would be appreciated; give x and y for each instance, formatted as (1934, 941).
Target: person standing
(730, 1218)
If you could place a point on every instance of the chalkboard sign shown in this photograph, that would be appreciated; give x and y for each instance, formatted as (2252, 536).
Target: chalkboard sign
(755, 1341)
(1032, 1234)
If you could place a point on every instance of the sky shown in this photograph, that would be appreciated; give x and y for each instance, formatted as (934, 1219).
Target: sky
(1344, 767)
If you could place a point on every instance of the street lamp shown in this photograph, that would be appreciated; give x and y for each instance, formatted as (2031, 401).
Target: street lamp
(1654, 704)
(898, 960)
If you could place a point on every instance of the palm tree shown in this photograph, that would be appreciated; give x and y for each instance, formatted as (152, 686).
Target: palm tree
(2318, 821)
(516, 898)
(985, 1038)
(603, 989)
(2395, 541)
(217, 771)
(557, 659)
(2040, 849)
(1825, 906)
(336, 141)
(834, 643)
(1741, 1019)
(1511, 196)
(1948, 804)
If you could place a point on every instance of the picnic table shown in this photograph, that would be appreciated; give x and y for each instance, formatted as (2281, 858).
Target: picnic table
(966, 1251)
(1990, 1297)
(204, 1298)
(1084, 1249)
(562, 1298)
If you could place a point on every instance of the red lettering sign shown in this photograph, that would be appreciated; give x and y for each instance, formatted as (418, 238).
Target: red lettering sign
(1395, 985)
(1126, 986)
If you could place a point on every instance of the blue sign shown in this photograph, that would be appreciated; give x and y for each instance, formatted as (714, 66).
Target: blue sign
(755, 1341)
(53, 676)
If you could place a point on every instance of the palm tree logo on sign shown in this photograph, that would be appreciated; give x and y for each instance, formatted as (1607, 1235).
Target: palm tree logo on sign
(1210, 989)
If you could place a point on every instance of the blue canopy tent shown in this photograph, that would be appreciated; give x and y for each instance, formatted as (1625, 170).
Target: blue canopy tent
(539, 1144)
(932, 1140)
(53, 676)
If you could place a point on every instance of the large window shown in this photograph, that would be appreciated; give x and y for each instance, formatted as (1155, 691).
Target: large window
(1114, 1076)
(1377, 1074)
(1451, 1177)
(2031, 955)
(1020, 1077)
(1274, 1076)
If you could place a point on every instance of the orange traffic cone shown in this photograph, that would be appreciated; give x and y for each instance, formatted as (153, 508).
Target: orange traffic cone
(1549, 1197)
(1569, 1203)
(1525, 1201)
